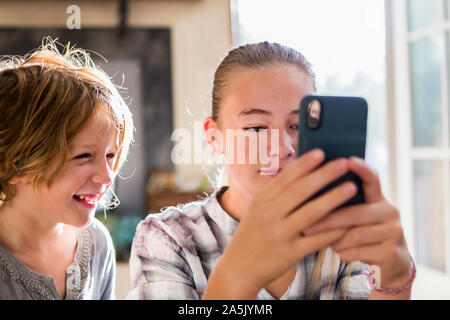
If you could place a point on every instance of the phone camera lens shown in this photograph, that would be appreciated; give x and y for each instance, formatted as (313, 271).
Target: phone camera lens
(313, 114)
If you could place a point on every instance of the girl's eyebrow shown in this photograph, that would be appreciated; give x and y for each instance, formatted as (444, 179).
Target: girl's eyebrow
(262, 112)
(251, 111)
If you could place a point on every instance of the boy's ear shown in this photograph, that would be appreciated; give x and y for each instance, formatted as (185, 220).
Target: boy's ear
(214, 136)
(16, 180)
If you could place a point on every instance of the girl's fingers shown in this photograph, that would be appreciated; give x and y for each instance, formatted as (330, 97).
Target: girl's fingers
(370, 179)
(316, 209)
(370, 254)
(303, 189)
(394, 261)
(356, 215)
(369, 235)
(307, 245)
(294, 171)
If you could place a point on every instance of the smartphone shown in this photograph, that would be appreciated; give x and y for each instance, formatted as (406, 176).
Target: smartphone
(338, 126)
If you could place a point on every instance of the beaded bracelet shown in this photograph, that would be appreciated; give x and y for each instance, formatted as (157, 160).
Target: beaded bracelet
(392, 291)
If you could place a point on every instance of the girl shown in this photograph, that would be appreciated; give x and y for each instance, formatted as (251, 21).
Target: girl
(64, 134)
(258, 237)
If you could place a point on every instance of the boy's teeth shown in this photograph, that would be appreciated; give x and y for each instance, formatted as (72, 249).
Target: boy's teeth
(87, 198)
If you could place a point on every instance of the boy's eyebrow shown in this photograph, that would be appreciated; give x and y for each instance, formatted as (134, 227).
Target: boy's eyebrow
(85, 146)
(82, 146)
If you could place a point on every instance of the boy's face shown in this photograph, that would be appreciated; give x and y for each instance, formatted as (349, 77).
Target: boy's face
(85, 177)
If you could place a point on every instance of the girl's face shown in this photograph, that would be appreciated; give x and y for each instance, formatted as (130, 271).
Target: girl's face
(87, 174)
(262, 102)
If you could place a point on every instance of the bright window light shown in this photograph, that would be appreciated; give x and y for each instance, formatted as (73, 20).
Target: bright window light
(344, 41)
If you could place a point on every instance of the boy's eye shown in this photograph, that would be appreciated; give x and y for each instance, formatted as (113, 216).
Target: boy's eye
(88, 155)
(82, 156)
(294, 127)
(255, 129)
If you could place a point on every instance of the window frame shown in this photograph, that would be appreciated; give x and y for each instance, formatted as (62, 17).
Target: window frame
(400, 130)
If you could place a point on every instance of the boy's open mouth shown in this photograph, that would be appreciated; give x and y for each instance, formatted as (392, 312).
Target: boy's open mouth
(87, 200)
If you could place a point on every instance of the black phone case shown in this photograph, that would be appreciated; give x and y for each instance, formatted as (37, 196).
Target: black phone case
(341, 134)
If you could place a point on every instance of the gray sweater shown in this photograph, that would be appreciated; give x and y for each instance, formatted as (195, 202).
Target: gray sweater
(90, 276)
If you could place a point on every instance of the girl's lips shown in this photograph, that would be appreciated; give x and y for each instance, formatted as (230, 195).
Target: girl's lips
(269, 172)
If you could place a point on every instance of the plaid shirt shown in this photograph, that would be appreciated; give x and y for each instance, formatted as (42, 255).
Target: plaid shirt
(174, 252)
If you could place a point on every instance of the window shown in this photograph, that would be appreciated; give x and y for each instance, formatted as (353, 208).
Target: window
(419, 58)
(396, 54)
(344, 41)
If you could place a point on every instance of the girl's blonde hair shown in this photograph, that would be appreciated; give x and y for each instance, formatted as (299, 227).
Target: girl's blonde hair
(253, 56)
(46, 98)
(257, 55)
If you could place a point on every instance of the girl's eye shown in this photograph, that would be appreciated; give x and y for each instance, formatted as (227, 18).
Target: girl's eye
(255, 129)
(294, 127)
(111, 155)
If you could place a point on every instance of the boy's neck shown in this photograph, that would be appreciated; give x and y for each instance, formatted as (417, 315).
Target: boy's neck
(22, 231)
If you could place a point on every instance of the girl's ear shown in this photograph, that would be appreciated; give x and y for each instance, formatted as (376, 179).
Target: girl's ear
(214, 136)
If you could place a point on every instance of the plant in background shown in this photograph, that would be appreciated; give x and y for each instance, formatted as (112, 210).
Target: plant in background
(122, 228)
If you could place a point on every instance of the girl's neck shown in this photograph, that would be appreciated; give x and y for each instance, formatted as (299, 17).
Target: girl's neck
(22, 231)
(235, 202)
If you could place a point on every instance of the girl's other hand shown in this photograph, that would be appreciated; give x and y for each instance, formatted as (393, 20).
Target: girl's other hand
(375, 233)
(268, 240)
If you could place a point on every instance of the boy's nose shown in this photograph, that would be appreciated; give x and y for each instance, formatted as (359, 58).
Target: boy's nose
(103, 174)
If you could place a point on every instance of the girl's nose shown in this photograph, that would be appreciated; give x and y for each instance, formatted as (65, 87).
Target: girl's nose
(284, 148)
(287, 149)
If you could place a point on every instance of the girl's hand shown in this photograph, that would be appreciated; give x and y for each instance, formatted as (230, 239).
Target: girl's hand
(268, 240)
(375, 236)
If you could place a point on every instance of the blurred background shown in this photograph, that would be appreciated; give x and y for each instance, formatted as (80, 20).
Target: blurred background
(393, 53)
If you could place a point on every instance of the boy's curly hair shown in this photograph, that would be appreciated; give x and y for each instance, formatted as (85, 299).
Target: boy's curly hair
(46, 98)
